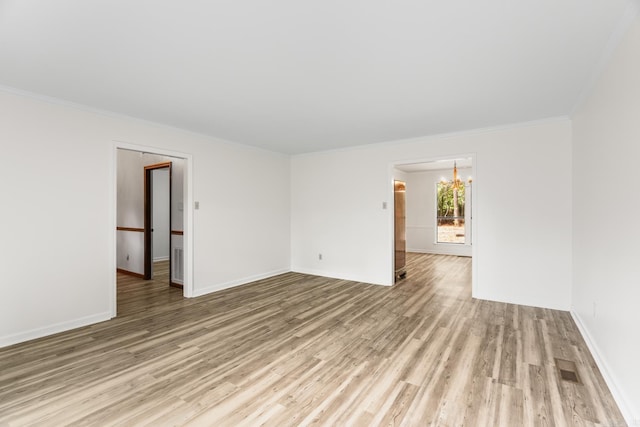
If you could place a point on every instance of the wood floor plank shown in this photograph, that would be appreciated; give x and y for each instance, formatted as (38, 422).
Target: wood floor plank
(297, 350)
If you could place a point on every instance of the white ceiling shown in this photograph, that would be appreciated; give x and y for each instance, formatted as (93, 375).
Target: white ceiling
(299, 76)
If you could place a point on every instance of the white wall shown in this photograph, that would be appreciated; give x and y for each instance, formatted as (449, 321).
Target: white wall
(606, 267)
(522, 238)
(57, 182)
(421, 214)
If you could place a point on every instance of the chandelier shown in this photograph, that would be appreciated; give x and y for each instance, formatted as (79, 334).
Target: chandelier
(456, 180)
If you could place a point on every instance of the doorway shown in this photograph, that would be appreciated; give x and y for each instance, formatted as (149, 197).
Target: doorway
(439, 200)
(157, 218)
(140, 239)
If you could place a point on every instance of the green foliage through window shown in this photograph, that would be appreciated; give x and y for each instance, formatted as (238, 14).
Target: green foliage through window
(451, 206)
(446, 200)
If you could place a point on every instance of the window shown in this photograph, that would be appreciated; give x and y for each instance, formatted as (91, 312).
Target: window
(450, 212)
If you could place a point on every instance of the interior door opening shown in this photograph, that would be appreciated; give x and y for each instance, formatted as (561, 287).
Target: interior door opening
(438, 218)
(152, 226)
(157, 217)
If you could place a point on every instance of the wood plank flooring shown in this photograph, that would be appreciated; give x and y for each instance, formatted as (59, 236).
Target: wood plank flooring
(304, 350)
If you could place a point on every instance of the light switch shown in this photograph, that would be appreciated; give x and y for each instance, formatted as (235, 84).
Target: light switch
(196, 205)
(384, 205)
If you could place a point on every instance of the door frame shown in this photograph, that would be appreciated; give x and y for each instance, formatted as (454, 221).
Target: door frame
(474, 204)
(188, 246)
(148, 218)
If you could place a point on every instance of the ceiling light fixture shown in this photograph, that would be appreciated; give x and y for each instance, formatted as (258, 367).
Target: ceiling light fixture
(456, 180)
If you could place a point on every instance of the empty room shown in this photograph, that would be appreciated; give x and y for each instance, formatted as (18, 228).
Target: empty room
(319, 213)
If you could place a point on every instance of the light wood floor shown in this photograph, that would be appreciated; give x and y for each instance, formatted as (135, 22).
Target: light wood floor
(304, 350)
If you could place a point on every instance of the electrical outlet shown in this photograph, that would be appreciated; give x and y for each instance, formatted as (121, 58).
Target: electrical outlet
(320, 257)
(127, 257)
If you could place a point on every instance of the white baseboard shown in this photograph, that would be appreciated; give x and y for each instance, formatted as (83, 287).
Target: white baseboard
(161, 258)
(332, 275)
(623, 403)
(441, 252)
(20, 337)
(234, 283)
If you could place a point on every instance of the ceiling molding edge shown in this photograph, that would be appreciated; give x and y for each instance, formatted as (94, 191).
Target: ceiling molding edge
(112, 114)
(445, 135)
(620, 30)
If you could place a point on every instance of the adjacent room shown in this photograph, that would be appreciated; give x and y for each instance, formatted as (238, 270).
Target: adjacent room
(319, 213)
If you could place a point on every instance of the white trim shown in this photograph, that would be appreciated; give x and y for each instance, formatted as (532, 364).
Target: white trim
(238, 282)
(113, 236)
(53, 329)
(427, 251)
(474, 227)
(188, 212)
(161, 258)
(631, 418)
(337, 276)
(187, 237)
